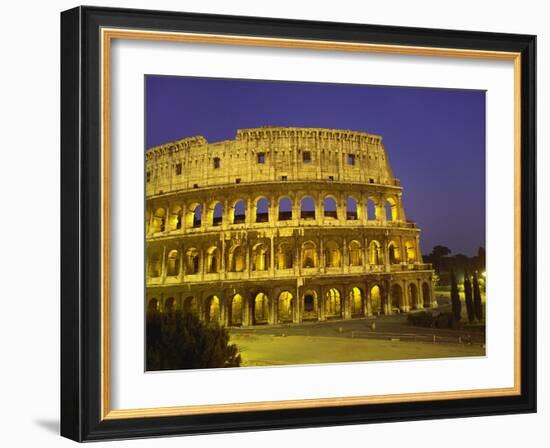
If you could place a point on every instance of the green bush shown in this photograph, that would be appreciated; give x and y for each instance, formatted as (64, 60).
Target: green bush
(421, 319)
(176, 341)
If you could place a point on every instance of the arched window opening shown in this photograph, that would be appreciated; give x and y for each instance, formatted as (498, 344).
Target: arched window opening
(371, 210)
(329, 208)
(309, 305)
(351, 209)
(212, 260)
(179, 219)
(260, 258)
(170, 305)
(355, 254)
(192, 261)
(261, 309)
(376, 300)
(356, 302)
(375, 257)
(396, 297)
(309, 255)
(285, 306)
(391, 209)
(155, 265)
(239, 212)
(285, 209)
(190, 305)
(236, 317)
(262, 210)
(393, 252)
(159, 220)
(212, 309)
(307, 208)
(217, 214)
(197, 216)
(173, 265)
(285, 256)
(153, 305)
(333, 255)
(237, 259)
(333, 303)
(411, 252)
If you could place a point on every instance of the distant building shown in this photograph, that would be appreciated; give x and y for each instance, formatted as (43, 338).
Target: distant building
(280, 225)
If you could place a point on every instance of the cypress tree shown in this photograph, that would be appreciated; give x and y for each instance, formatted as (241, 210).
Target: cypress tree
(468, 297)
(478, 310)
(455, 298)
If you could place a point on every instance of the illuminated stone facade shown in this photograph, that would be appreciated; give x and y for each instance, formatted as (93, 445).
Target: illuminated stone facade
(280, 225)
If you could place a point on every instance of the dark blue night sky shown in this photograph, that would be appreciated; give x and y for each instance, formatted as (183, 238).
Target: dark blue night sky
(435, 138)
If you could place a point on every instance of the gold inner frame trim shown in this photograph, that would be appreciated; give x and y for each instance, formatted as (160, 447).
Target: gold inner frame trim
(107, 35)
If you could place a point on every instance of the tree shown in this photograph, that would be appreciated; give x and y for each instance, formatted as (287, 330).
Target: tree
(178, 341)
(468, 297)
(478, 309)
(455, 298)
(440, 251)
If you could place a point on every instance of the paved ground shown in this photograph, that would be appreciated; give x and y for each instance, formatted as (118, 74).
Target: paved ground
(367, 339)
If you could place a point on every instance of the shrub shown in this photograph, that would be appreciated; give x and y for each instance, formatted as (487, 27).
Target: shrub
(176, 341)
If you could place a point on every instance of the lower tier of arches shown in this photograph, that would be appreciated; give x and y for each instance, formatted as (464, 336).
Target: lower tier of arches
(271, 303)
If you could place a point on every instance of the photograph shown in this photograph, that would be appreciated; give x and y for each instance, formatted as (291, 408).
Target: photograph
(296, 223)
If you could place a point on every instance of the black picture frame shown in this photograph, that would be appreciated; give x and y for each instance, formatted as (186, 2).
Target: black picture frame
(81, 212)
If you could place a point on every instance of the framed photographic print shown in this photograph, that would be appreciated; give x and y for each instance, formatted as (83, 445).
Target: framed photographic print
(276, 224)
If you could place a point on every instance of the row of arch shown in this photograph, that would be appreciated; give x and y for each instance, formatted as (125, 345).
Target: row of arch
(258, 309)
(196, 216)
(310, 257)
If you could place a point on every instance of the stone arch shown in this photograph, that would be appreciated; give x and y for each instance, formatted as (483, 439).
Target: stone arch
(397, 299)
(356, 302)
(410, 251)
(333, 303)
(285, 256)
(330, 209)
(309, 255)
(190, 305)
(262, 209)
(215, 214)
(355, 253)
(260, 257)
(372, 209)
(333, 255)
(376, 300)
(159, 220)
(194, 215)
(236, 310)
(237, 259)
(285, 306)
(170, 305)
(413, 296)
(394, 253)
(285, 209)
(239, 211)
(192, 261)
(153, 305)
(155, 264)
(307, 208)
(260, 309)
(390, 209)
(173, 263)
(426, 294)
(310, 305)
(213, 309)
(213, 259)
(375, 253)
(351, 208)
(176, 218)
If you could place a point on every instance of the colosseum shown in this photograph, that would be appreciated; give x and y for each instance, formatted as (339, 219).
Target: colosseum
(280, 225)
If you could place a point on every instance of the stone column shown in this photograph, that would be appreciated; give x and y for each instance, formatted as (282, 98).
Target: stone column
(388, 298)
(163, 264)
(367, 306)
(272, 257)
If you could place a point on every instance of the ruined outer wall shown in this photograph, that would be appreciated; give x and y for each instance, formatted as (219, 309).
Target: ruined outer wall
(283, 149)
